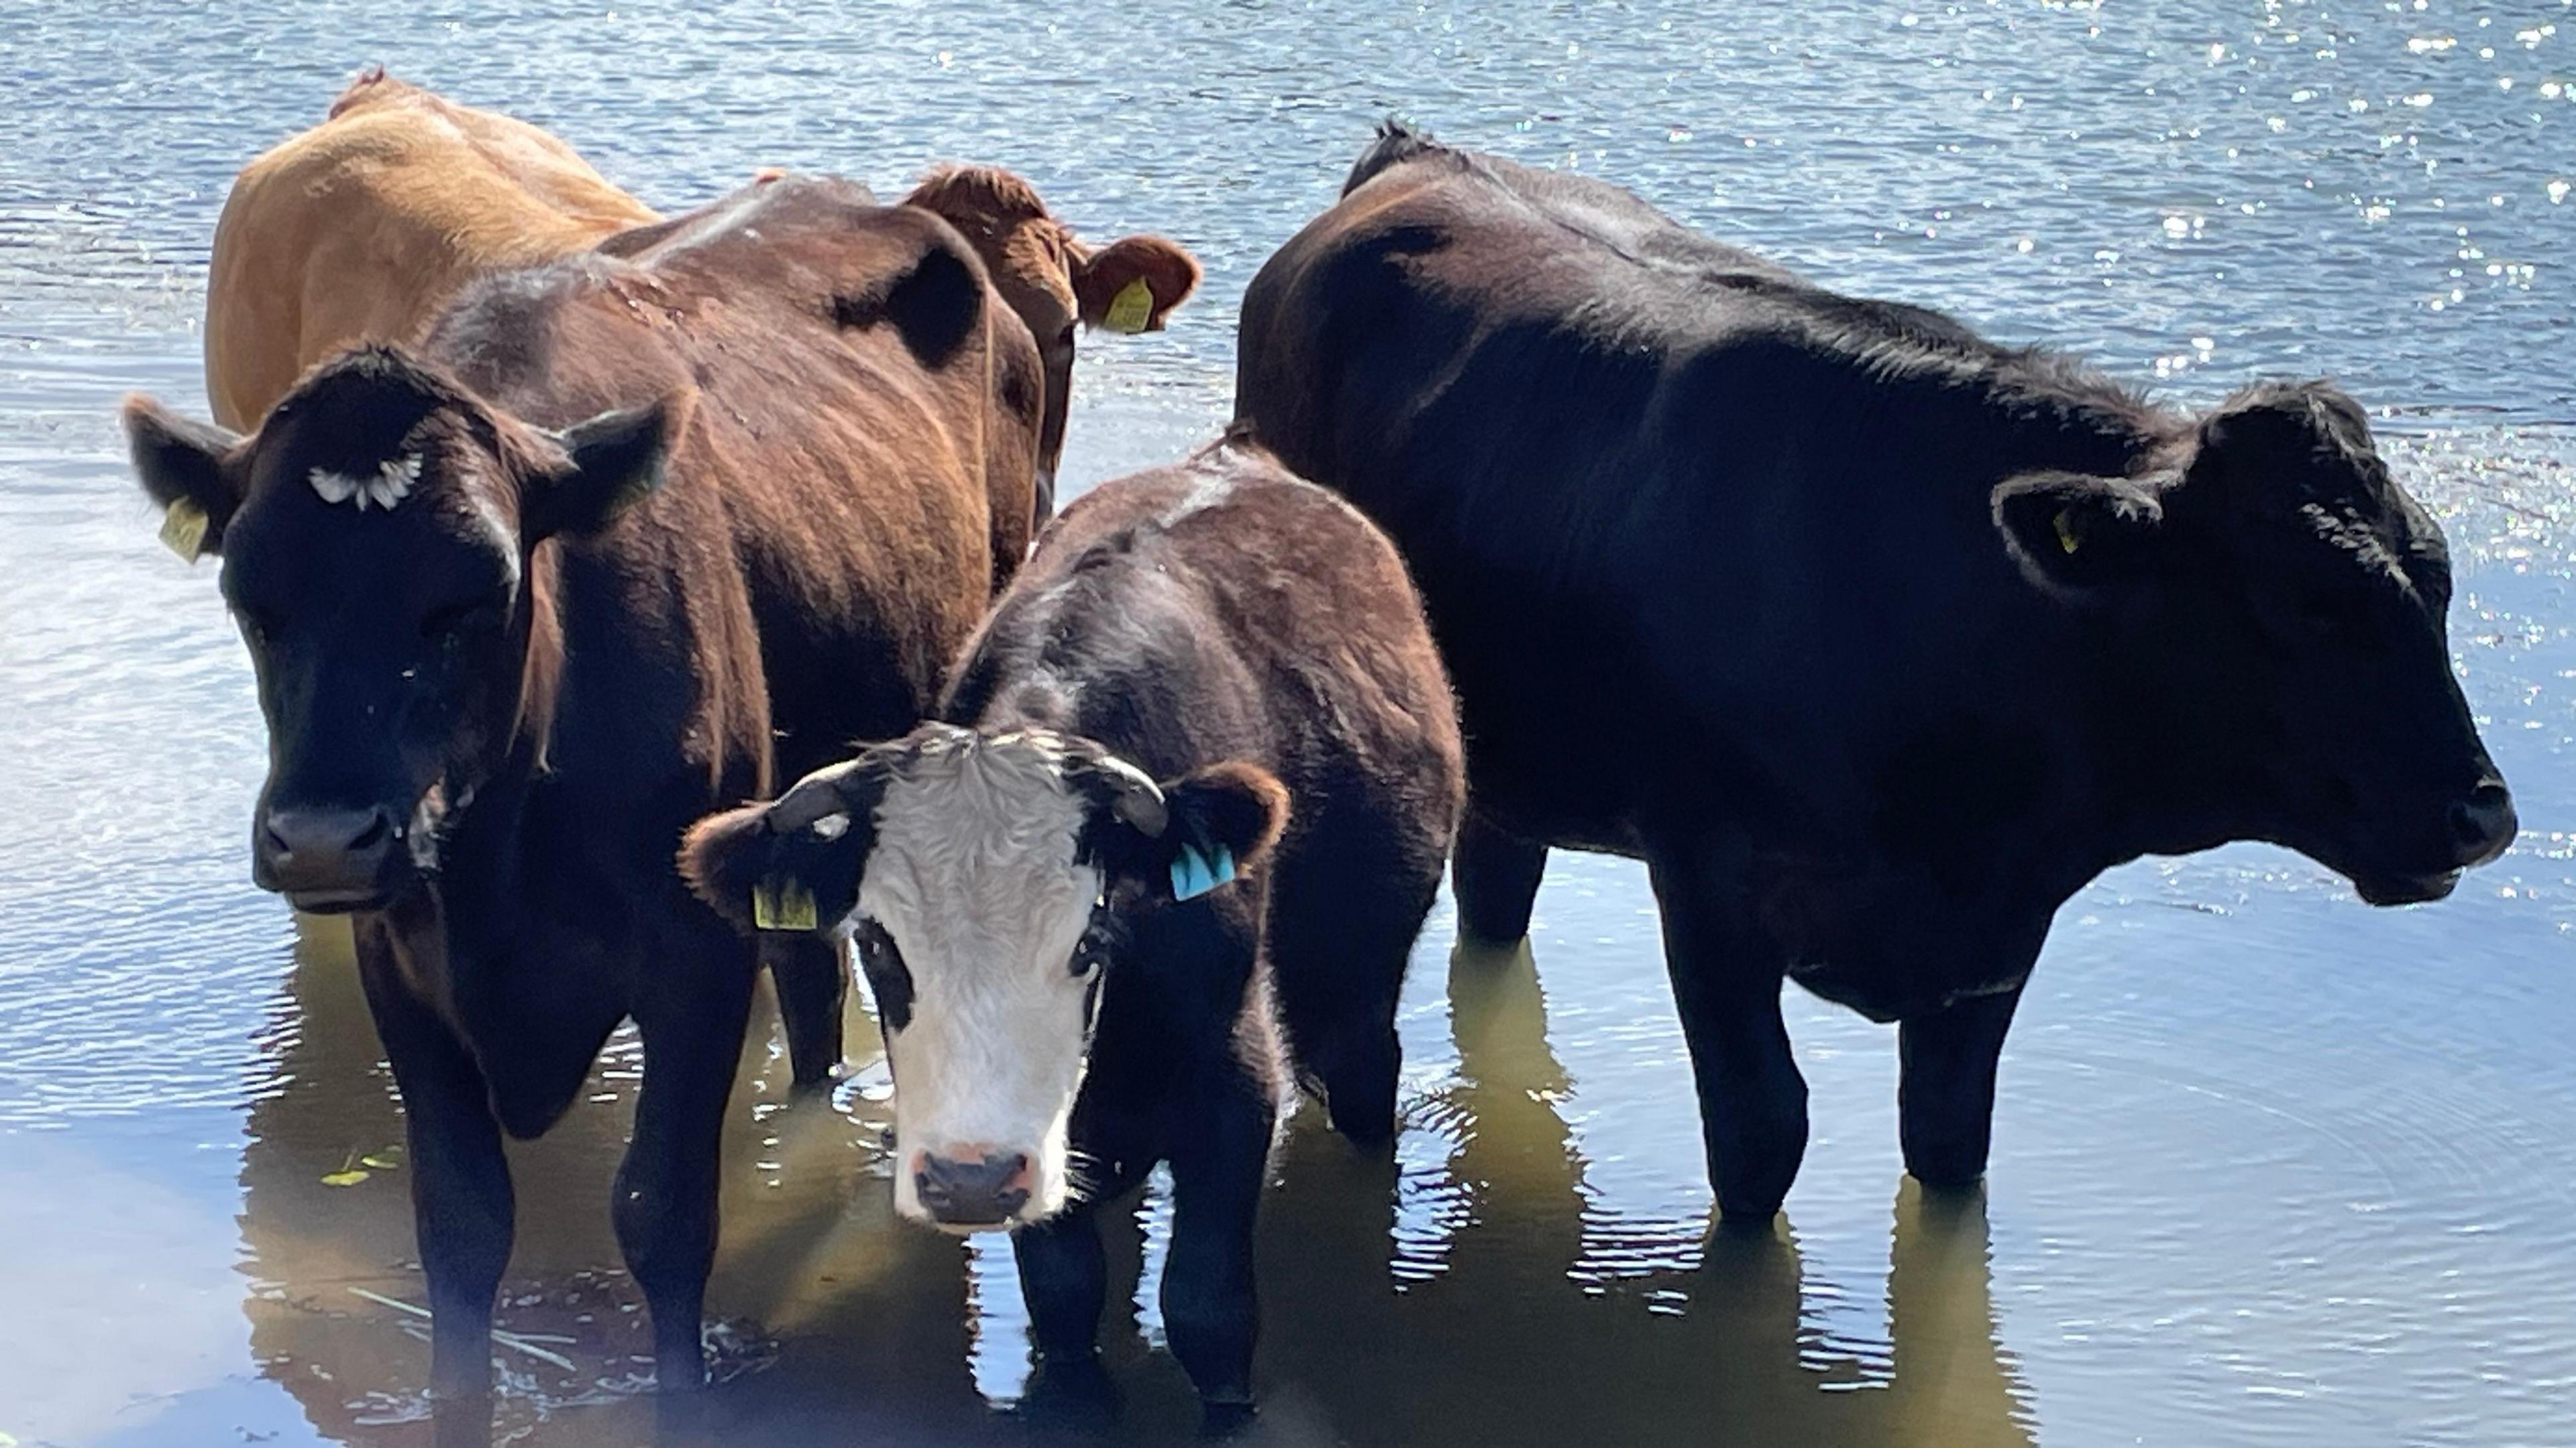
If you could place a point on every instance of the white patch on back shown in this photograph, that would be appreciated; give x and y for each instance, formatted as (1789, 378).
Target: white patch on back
(1208, 491)
(388, 485)
(973, 875)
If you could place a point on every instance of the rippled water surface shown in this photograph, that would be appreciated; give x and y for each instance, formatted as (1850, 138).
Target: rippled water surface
(2271, 1167)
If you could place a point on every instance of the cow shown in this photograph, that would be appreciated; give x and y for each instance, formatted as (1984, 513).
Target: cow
(362, 227)
(622, 539)
(1874, 640)
(1167, 845)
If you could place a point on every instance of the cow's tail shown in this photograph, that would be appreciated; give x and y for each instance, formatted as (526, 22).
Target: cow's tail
(1396, 141)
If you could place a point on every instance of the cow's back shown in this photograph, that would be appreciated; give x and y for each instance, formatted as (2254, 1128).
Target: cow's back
(833, 501)
(1643, 476)
(1217, 609)
(359, 229)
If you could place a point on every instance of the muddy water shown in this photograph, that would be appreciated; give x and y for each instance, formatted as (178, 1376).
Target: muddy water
(2271, 1167)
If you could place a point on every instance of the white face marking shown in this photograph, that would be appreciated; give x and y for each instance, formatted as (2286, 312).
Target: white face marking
(973, 876)
(388, 485)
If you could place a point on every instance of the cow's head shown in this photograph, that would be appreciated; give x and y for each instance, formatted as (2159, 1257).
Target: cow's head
(377, 535)
(989, 883)
(1052, 280)
(2280, 604)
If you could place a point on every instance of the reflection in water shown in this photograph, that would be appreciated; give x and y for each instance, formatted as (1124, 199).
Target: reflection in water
(1457, 1300)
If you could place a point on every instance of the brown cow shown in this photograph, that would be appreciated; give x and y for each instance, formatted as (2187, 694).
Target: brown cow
(358, 229)
(621, 541)
(1051, 280)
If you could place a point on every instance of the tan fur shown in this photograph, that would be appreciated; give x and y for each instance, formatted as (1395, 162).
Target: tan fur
(360, 228)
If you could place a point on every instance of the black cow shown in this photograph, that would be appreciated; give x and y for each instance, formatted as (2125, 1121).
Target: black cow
(526, 601)
(1070, 989)
(1874, 640)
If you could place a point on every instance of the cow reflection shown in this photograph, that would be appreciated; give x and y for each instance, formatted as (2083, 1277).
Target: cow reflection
(1503, 1333)
(1514, 1339)
(810, 1256)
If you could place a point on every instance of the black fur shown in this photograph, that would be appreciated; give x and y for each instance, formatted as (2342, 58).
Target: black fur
(1875, 640)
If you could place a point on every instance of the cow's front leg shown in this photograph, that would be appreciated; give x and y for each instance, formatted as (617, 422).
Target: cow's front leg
(1726, 986)
(461, 1203)
(1946, 1089)
(665, 1198)
(812, 976)
(1064, 1279)
(1209, 1307)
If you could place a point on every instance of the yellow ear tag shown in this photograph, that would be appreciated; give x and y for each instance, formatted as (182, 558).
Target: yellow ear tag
(1131, 309)
(183, 530)
(782, 905)
(2067, 537)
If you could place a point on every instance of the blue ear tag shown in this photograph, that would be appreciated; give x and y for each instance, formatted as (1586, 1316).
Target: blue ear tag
(1194, 872)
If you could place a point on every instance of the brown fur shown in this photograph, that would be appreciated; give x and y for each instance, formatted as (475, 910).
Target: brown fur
(683, 520)
(358, 229)
(1049, 279)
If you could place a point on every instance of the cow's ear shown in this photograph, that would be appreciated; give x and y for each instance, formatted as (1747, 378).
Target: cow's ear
(792, 864)
(1131, 284)
(192, 469)
(1219, 822)
(606, 465)
(2277, 445)
(2077, 533)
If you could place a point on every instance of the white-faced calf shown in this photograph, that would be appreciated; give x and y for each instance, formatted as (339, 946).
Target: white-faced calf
(1169, 849)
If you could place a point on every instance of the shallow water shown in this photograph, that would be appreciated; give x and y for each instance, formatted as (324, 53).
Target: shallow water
(2271, 1167)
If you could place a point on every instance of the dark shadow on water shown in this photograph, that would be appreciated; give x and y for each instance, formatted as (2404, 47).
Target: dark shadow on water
(1469, 1300)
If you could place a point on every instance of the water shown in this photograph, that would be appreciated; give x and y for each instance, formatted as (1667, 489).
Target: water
(2271, 1167)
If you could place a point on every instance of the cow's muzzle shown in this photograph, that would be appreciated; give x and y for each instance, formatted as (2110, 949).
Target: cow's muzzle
(324, 860)
(974, 1190)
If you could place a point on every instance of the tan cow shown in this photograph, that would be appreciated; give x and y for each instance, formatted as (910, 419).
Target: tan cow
(360, 228)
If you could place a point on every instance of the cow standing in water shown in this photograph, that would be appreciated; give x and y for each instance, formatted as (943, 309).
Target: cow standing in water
(361, 228)
(1874, 640)
(624, 539)
(1192, 792)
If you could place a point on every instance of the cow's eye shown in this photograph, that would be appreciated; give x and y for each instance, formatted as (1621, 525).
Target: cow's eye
(887, 977)
(1098, 943)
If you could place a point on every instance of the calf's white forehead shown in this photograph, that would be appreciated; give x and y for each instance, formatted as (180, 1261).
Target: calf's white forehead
(974, 841)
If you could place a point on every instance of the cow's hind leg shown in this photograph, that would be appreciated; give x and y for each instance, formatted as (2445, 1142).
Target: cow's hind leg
(1946, 1089)
(461, 1199)
(1726, 987)
(691, 1015)
(1343, 919)
(812, 979)
(1496, 877)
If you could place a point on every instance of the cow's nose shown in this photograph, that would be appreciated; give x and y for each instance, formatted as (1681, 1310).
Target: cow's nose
(976, 1188)
(2484, 823)
(324, 851)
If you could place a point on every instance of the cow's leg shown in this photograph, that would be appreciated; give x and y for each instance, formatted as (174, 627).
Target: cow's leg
(1218, 1162)
(1342, 923)
(1946, 1092)
(1064, 1279)
(664, 1202)
(812, 978)
(1496, 878)
(460, 1182)
(1726, 986)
